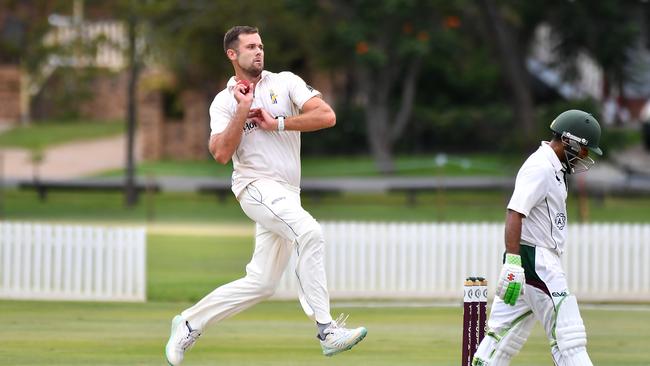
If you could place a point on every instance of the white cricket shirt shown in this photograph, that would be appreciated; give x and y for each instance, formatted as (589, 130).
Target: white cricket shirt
(540, 195)
(265, 154)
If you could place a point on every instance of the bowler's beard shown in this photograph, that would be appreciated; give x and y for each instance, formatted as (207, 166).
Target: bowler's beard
(253, 71)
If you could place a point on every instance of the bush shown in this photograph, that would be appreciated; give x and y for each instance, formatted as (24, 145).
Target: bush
(466, 128)
(347, 138)
(456, 128)
(618, 138)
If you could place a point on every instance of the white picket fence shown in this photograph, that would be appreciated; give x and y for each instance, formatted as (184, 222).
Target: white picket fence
(603, 262)
(66, 262)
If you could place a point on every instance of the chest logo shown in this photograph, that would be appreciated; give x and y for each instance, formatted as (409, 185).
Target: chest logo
(249, 126)
(560, 220)
(274, 97)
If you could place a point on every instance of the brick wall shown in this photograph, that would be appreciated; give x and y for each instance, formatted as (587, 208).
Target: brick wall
(79, 93)
(108, 97)
(150, 124)
(196, 122)
(9, 94)
(165, 138)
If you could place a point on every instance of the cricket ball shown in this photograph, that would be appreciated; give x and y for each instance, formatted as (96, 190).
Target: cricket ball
(246, 84)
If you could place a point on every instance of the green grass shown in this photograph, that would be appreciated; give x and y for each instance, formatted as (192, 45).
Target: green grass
(99, 206)
(211, 261)
(276, 333)
(484, 164)
(206, 209)
(183, 267)
(40, 135)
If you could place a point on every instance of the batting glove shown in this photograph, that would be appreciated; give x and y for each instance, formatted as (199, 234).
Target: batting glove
(511, 279)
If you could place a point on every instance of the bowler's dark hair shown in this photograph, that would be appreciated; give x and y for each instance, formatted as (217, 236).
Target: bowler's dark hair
(231, 39)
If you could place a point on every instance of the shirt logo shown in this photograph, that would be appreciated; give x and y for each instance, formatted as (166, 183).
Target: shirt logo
(560, 220)
(249, 126)
(274, 97)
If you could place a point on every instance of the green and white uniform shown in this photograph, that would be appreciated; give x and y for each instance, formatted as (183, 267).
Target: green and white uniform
(540, 195)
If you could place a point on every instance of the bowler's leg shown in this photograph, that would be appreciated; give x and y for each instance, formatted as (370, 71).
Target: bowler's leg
(262, 275)
(263, 272)
(279, 210)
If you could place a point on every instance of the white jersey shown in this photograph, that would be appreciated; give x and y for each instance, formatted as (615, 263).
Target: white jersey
(265, 154)
(540, 195)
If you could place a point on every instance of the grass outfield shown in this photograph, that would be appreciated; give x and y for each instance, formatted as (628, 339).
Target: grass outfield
(183, 268)
(188, 256)
(206, 209)
(277, 333)
(476, 164)
(43, 134)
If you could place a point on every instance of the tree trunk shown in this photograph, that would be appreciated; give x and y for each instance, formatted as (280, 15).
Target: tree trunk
(381, 144)
(512, 64)
(130, 191)
(409, 83)
(25, 97)
(384, 130)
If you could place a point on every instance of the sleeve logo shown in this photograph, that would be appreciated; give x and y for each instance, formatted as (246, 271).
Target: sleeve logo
(560, 220)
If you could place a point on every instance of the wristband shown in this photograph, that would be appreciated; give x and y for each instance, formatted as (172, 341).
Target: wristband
(513, 259)
(280, 123)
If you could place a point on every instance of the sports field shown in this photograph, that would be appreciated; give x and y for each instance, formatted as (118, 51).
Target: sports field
(188, 207)
(276, 333)
(181, 268)
(196, 243)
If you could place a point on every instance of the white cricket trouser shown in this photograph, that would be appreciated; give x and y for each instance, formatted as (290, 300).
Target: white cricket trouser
(509, 326)
(282, 227)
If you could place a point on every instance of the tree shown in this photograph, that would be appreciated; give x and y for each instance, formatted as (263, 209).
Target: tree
(386, 60)
(22, 31)
(131, 193)
(131, 12)
(606, 30)
(508, 27)
(511, 58)
(187, 37)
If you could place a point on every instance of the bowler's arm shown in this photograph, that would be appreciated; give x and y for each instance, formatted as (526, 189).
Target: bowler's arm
(316, 115)
(224, 144)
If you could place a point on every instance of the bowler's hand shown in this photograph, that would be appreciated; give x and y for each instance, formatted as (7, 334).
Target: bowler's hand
(263, 119)
(511, 280)
(244, 93)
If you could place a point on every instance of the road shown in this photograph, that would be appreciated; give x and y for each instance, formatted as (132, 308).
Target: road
(67, 161)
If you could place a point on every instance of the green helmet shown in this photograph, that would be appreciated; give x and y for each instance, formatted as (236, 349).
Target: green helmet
(579, 126)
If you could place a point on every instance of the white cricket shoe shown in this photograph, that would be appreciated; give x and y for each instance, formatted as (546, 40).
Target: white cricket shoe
(181, 339)
(339, 339)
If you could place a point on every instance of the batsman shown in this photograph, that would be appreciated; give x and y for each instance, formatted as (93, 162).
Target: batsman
(532, 283)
